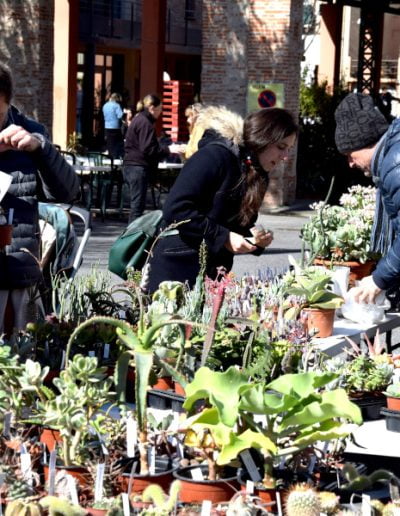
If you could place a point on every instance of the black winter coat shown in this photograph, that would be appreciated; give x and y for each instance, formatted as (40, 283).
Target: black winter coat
(141, 143)
(207, 193)
(43, 174)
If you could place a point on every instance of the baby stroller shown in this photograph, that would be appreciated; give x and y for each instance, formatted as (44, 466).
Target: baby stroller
(61, 247)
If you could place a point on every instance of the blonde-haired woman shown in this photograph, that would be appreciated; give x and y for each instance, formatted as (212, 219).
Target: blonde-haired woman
(142, 152)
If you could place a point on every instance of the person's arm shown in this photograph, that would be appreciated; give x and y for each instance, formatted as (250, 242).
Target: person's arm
(192, 197)
(150, 145)
(60, 182)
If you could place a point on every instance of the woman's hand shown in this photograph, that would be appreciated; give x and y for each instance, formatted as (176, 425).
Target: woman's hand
(238, 244)
(262, 238)
(366, 291)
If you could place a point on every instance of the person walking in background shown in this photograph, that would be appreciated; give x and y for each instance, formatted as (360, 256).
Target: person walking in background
(364, 136)
(219, 192)
(36, 168)
(112, 113)
(142, 152)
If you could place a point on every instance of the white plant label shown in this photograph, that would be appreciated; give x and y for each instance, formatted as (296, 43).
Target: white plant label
(125, 504)
(52, 471)
(279, 503)
(73, 493)
(250, 486)
(131, 436)
(26, 465)
(92, 353)
(98, 489)
(197, 474)
(7, 424)
(152, 460)
(5, 182)
(206, 508)
(365, 505)
(106, 350)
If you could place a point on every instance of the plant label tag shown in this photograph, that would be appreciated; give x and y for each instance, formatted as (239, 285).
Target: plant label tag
(197, 474)
(152, 460)
(5, 182)
(279, 503)
(52, 471)
(131, 436)
(92, 353)
(7, 424)
(98, 488)
(206, 508)
(26, 465)
(73, 493)
(250, 466)
(180, 450)
(250, 486)
(62, 364)
(365, 505)
(311, 466)
(106, 350)
(125, 504)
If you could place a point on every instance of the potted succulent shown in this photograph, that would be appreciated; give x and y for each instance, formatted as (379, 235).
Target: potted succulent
(297, 409)
(392, 393)
(341, 234)
(307, 293)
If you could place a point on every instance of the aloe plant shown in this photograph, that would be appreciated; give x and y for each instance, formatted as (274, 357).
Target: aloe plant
(139, 345)
(298, 412)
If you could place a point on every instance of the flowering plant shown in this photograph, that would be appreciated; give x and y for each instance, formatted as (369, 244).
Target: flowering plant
(342, 233)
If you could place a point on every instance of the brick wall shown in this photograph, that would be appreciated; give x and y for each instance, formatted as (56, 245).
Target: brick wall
(253, 41)
(26, 46)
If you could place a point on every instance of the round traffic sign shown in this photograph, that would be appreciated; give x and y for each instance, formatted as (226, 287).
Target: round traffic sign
(266, 98)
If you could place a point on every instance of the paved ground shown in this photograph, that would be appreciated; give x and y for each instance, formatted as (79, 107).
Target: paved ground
(285, 224)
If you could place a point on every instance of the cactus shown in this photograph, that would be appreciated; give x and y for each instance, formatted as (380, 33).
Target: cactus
(164, 504)
(303, 500)
(377, 507)
(19, 489)
(391, 509)
(329, 502)
(58, 507)
(22, 508)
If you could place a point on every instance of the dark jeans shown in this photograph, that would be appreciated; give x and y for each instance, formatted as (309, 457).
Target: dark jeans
(114, 143)
(136, 177)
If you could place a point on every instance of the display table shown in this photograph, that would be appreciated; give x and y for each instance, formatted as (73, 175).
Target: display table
(344, 328)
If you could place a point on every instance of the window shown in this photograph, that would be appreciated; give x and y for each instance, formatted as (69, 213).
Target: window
(190, 9)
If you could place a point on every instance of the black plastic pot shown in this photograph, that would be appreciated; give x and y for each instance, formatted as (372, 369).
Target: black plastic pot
(165, 400)
(392, 418)
(370, 406)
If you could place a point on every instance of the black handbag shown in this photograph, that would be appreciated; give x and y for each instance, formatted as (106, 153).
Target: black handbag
(132, 247)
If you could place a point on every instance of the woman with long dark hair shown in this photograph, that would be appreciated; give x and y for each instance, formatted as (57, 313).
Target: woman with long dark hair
(219, 192)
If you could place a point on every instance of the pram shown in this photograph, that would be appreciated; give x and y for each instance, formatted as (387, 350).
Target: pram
(61, 247)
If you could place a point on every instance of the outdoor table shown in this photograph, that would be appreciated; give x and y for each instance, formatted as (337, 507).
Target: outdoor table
(344, 328)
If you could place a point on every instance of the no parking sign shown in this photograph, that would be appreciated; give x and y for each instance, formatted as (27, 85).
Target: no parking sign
(263, 95)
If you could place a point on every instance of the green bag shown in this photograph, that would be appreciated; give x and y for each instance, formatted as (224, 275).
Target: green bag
(132, 246)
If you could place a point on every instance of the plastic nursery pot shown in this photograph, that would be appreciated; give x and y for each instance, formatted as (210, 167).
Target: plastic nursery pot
(162, 476)
(96, 512)
(193, 491)
(393, 403)
(369, 404)
(81, 474)
(392, 418)
(165, 383)
(5, 235)
(179, 389)
(320, 321)
(358, 270)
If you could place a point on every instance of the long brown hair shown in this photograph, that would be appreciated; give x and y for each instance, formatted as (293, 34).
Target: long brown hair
(261, 129)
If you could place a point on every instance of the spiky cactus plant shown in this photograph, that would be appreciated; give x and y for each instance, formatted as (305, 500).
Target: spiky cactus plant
(303, 500)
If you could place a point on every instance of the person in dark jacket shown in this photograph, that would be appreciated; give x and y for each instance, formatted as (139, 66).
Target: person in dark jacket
(37, 169)
(370, 144)
(142, 153)
(219, 192)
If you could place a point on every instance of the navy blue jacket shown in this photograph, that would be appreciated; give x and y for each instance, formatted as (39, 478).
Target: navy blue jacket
(387, 272)
(44, 174)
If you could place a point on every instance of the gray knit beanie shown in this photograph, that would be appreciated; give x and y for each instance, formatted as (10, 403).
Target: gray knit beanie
(359, 123)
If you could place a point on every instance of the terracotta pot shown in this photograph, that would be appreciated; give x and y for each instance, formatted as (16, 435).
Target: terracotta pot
(165, 383)
(5, 235)
(321, 320)
(179, 389)
(162, 477)
(81, 474)
(358, 270)
(96, 512)
(50, 437)
(195, 491)
(393, 403)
